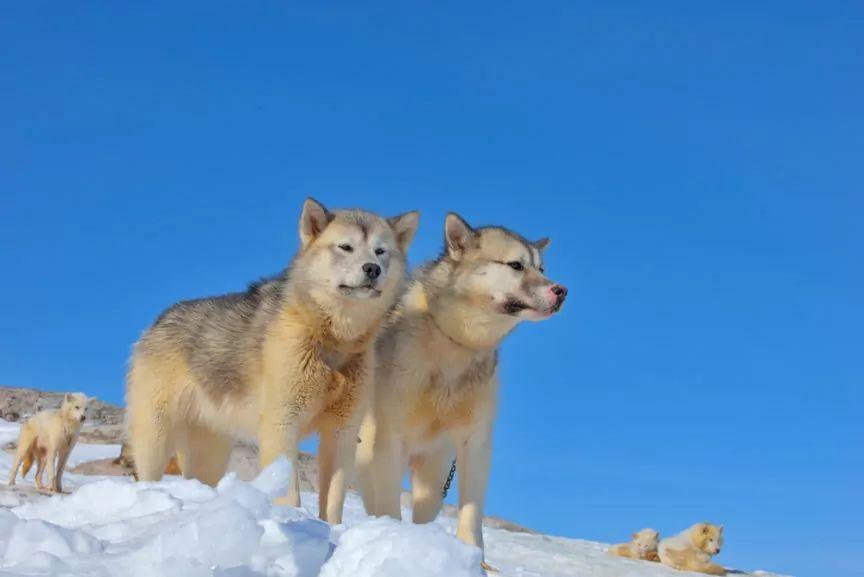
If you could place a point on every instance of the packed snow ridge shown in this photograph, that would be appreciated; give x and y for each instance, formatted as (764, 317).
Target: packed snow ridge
(113, 526)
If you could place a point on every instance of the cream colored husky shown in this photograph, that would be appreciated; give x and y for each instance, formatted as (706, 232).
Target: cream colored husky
(436, 384)
(48, 438)
(692, 549)
(289, 356)
(643, 546)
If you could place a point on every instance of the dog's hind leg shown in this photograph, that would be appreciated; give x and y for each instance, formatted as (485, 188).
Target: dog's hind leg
(151, 431)
(150, 448)
(428, 475)
(206, 454)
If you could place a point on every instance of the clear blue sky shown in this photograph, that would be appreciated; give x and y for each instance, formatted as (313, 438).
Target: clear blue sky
(699, 169)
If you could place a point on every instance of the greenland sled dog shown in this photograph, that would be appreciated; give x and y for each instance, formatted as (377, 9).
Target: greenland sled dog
(289, 356)
(48, 438)
(436, 385)
(693, 548)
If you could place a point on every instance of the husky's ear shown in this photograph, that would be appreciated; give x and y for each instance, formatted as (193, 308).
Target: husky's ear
(635, 535)
(458, 235)
(405, 226)
(66, 398)
(720, 528)
(542, 244)
(313, 220)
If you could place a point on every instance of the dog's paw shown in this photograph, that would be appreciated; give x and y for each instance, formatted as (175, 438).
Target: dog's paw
(488, 568)
(286, 500)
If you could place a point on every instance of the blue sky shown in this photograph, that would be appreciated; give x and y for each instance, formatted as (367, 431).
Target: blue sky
(699, 169)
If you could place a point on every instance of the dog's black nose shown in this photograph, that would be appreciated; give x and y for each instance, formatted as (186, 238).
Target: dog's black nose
(559, 290)
(82, 418)
(372, 270)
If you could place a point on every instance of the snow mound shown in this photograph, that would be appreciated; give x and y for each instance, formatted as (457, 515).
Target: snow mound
(387, 548)
(180, 527)
(102, 502)
(113, 526)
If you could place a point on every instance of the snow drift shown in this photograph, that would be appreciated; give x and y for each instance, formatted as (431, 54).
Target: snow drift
(112, 526)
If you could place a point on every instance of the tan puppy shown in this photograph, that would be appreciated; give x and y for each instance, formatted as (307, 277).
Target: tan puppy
(48, 438)
(290, 356)
(643, 546)
(692, 549)
(436, 386)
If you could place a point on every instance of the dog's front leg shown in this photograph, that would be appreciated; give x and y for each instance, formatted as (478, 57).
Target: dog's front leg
(279, 435)
(40, 470)
(292, 393)
(712, 569)
(336, 465)
(473, 457)
(62, 459)
(387, 468)
(51, 466)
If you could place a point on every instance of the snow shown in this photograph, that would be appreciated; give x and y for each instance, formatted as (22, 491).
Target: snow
(385, 546)
(83, 453)
(110, 526)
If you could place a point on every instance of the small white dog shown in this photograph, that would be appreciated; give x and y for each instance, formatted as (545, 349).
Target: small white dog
(48, 438)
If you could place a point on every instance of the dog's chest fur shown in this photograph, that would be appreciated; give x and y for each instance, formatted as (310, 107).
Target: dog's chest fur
(455, 392)
(328, 373)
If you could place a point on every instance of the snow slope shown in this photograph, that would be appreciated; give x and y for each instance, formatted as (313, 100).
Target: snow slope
(115, 527)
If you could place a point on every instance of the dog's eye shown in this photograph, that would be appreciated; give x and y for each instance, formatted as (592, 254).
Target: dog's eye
(77, 407)
(346, 247)
(380, 251)
(516, 265)
(542, 270)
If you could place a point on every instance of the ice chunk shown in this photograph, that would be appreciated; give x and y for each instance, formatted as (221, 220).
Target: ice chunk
(274, 478)
(301, 547)
(244, 494)
(41, 563)
(221, 533)
(30, 537)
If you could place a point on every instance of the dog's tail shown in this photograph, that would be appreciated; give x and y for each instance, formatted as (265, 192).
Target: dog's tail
(26, 447)
(26, 463)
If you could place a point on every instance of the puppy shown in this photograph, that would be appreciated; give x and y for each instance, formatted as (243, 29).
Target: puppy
(643, 546)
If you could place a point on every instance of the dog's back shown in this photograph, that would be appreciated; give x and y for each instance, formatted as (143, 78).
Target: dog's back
(216, 337)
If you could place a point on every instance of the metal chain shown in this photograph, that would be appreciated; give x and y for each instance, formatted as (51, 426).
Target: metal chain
(449, 480)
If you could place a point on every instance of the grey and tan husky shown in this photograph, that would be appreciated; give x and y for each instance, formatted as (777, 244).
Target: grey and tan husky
(436, 385)
(290, 356)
